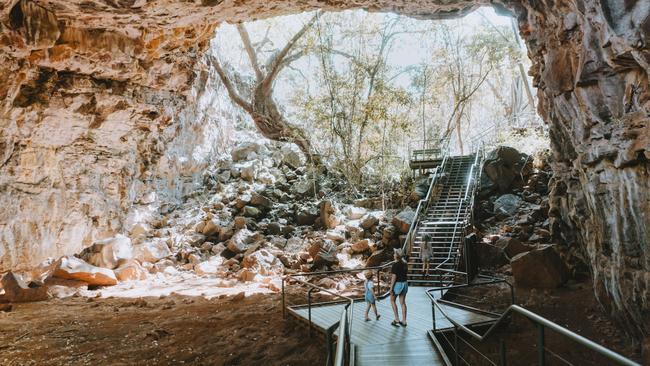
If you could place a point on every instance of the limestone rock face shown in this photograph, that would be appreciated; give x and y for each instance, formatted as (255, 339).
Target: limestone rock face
(99, 107)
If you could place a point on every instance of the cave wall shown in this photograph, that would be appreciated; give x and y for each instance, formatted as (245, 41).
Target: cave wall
(98, 97)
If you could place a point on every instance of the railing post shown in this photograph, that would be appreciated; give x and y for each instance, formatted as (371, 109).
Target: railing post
(309, 309)
(330, 348)
(377, 289)
(502, 353)
(466, 255)
(284, 308)
(540, 345)
(456, 351)
(433, 315)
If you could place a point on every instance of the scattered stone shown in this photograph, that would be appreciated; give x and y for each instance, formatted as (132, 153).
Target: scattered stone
(327, 217)
(369, 221)
(243, 150)
(507, 204)
(76, 269)
(512, 246)
(211, 228)
(5, 308)
(130, 271)
(323, 253)
(151, 251)
(16, 290)
(307, 216)
(258, 200)
(108, 253)
(354, 213)
(403, 220)
(361, 246)
(250, 211)
(239, 223)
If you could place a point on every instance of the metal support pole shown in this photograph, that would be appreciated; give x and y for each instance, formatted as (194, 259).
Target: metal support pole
(465, 254)
(309, 308)
(502, 353)
(377, 289)
(456, 351)
(433, 315)
(540, 345)
(330, 348)
(284, 308)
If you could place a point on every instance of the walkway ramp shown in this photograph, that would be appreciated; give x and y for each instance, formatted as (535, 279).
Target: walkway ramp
(380, 343)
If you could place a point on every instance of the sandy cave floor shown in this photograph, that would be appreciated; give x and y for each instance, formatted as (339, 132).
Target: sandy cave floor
(168, 330)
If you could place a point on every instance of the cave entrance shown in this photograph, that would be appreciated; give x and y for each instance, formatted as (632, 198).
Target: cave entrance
(373, 87)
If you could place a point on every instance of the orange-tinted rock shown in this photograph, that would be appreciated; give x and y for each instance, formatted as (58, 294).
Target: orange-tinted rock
(76, 269)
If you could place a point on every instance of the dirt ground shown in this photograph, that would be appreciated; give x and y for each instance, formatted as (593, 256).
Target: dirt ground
(155, 331)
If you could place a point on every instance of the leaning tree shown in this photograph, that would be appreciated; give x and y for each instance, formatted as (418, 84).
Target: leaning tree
(260, 104)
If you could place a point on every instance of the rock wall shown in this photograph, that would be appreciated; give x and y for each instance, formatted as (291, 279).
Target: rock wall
(96, 93)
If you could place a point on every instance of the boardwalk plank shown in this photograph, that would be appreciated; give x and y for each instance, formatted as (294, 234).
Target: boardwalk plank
(380, 343)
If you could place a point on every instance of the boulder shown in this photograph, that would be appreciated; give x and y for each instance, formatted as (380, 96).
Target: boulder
(335, 235)
(361, 246)
(306, 216)
(504, 166)
(259, 200)
(250, 211)
(72, 268)
(403, 220)
(305, 187)
(264, 262)
(327, 217)
(489, 255)
(274, 228)
(244, 149)
(211, 228)
(240, 241)
(379, 257)
(239, 222)
(323, 253)
(512, 246)
(369, 221)
(291, 155)
(507, 204)
(151, 251)
(131, 271)
(354, 213)
(109, 253)
(213, 266)
(16, 290)
(539, 268)
(248, 170)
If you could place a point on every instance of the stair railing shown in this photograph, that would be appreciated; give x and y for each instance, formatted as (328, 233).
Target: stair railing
(540, 322)
(423, 204)
(471, 184)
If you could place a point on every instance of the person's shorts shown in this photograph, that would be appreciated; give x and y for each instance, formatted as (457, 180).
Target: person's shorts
(370, 298)
(400, 288)
(426, 259)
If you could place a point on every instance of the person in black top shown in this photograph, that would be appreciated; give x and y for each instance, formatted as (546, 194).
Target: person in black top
(399, 286)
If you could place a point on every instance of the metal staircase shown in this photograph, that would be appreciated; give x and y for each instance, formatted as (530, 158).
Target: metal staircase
(445, 219)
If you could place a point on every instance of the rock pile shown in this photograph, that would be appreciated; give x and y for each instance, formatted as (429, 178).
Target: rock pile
(513, 217)
(261, 215)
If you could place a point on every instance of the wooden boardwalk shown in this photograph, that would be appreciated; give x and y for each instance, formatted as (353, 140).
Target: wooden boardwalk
(380, 343)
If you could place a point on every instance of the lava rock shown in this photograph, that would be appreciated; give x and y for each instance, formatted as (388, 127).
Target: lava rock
(539, 268)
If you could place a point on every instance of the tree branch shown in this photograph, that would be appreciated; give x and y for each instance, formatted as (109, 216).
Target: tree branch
(228, 84)
(248, 46)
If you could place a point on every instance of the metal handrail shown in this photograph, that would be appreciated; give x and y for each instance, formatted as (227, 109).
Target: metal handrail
(426, 201)
(344, 325)
(470, 179)
(542, 323)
